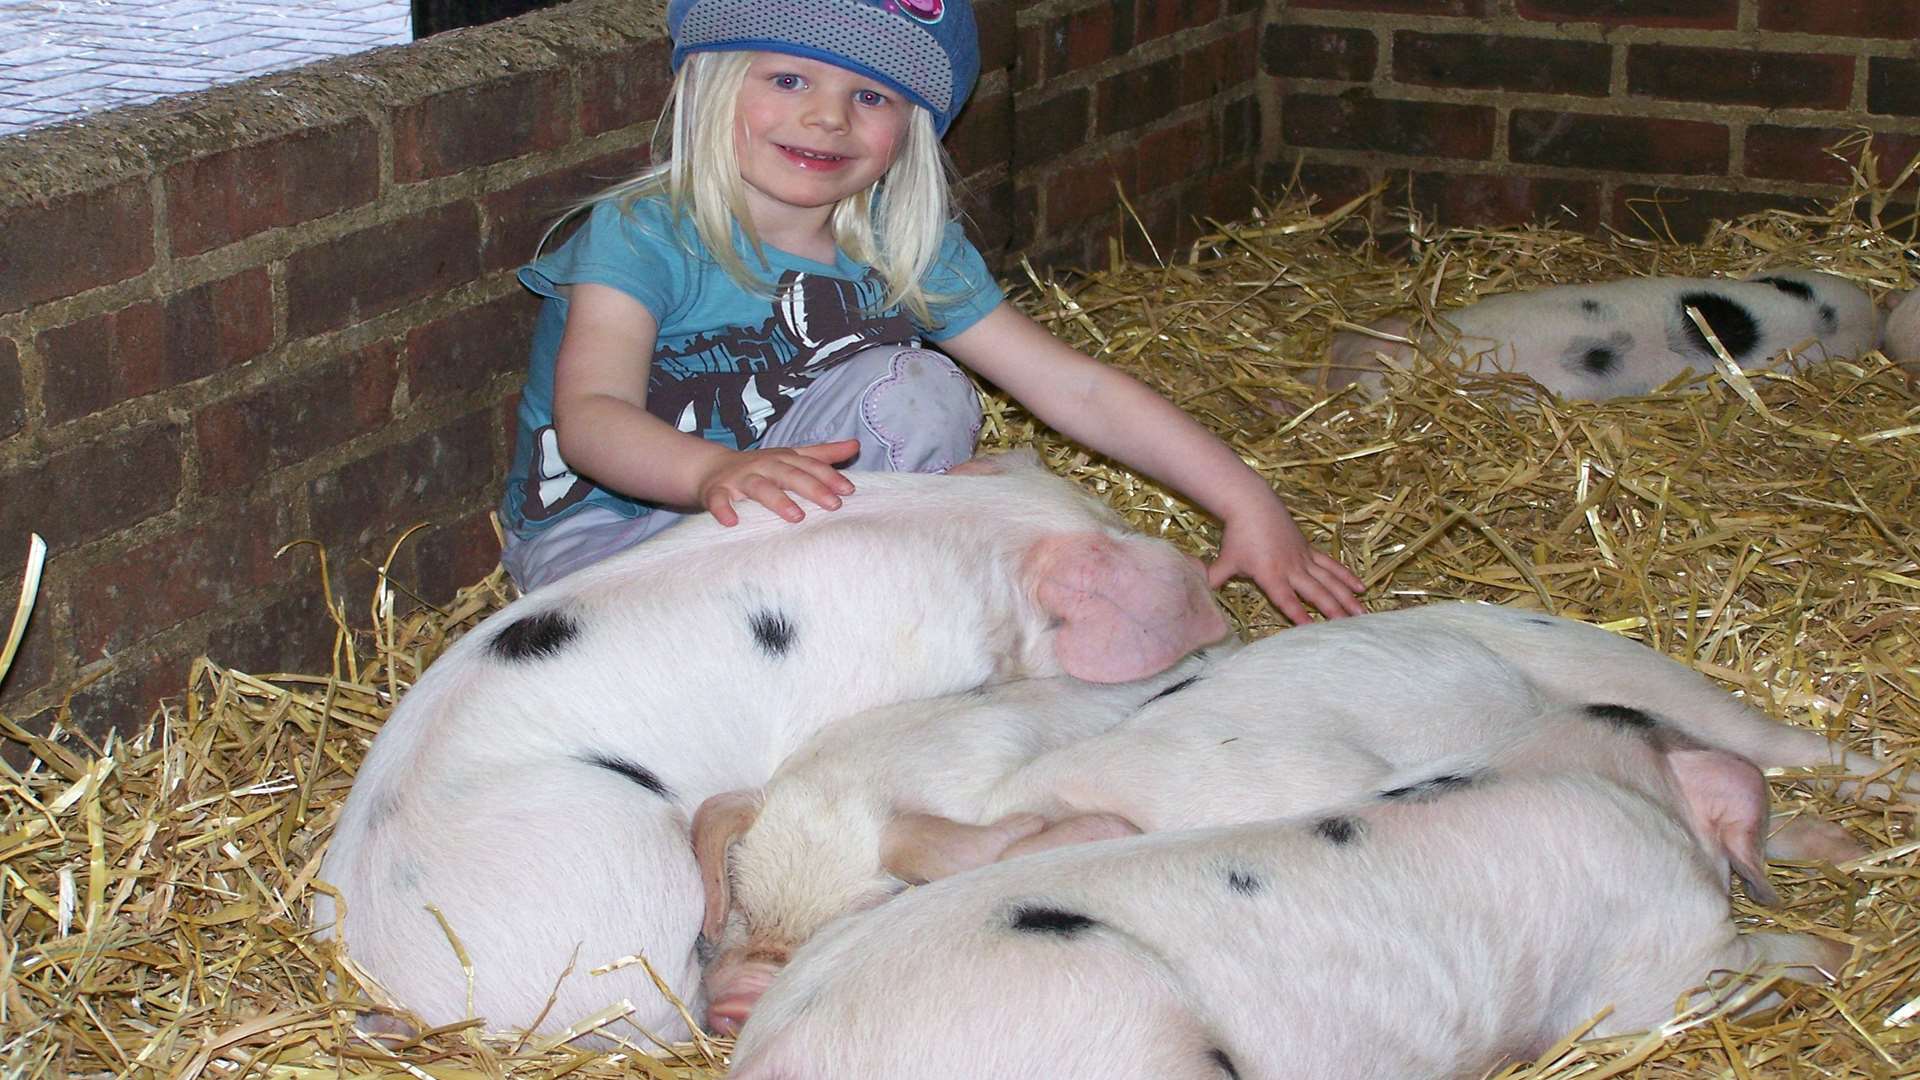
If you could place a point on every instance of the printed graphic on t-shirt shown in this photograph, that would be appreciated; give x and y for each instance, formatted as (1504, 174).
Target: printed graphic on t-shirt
(731, 386)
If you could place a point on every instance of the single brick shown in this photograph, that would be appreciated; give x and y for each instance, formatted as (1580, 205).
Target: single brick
(982, 135)
(996, 21)
(1224, 63)
(1453, 199)
(1330, 186)
(1666, 213)
(461, 129)
(381, 268)
(1049, 129)
(626, 88)
(1414, 128)
(450, 557)
(1240, 129)
(144, 348)
(1319, 52)
(518, 217)
(1702, 14)
(295, 418)
(168, 579)
(13, 399)
(1030, 57)
(1619, 143)
(1850, 18)
(1173, 154)
(1158, 18)
(293, 633)
(228, 196)
(1486, 62)
(1084, 38)
(125, 698)
(33, 666)
(1138, 97)
(1775, 152)
(1893, 86)
(1085, 190)
(370, 500)
(451, 357)
(1401, 7)
(72, 244)
(1740, 76)
(88, 491)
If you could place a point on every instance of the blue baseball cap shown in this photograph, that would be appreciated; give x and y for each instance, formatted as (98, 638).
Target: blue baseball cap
(928, 50)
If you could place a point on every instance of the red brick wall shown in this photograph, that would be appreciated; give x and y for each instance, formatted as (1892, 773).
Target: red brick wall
(1590, 111)
(286, 309)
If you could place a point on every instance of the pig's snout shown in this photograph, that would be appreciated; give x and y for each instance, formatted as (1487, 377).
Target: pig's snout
(737, 990)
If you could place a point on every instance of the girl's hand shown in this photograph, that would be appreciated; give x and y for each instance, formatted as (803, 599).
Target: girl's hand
(766, 476)
(1268, 547)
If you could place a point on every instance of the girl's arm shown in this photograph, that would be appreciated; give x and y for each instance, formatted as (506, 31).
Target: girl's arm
(607, 434)
(1106, 410)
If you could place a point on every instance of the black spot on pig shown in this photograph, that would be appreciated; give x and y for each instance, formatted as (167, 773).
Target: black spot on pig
(1245, 882)
(1035, 919)
(1799, 290)
(1829, 319)
(1539, 620)
(1431, 788)
(1219, 1057)
(1597, 356)
(772, 632)
(1732, 323)
(636, 773)
(704, 951)
(534, 636)
(1174, 689)
(1592, 308)
(1624, 717)
(1339, 831)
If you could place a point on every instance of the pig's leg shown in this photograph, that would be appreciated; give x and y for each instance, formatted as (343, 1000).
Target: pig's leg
(1804, 838)
(1806, 958)
(1081, 829)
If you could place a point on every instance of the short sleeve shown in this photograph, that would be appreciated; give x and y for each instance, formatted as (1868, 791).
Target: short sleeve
(960, 289)
(632, 250)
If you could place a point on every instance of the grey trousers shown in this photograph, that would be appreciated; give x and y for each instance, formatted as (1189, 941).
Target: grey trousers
(912, 409)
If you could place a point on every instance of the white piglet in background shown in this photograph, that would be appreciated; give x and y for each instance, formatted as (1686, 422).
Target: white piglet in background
(535, 786)
(1302, 720)
(1622, 338)
(1471, 915)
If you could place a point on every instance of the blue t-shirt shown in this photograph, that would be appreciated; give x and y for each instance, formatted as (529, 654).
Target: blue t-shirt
(727, 362)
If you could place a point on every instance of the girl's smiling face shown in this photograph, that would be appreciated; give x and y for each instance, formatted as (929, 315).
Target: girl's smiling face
(809, 134)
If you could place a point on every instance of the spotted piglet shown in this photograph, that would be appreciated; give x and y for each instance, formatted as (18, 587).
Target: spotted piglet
(534, 788)
(1462, 915)
(1623, 338)
(1295, 722)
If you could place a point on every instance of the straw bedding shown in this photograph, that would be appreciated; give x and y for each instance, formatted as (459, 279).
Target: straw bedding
(154, 890)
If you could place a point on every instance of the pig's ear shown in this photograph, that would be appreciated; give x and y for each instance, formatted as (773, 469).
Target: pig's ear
(716, 825)
(1726, 802)
(918, 848)
(1126, 609)
(1354, 356)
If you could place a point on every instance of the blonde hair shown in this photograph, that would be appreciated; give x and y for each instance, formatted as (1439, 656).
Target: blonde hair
(897, 226)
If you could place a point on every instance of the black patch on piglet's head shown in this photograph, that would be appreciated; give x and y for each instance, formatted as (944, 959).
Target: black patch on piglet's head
(1623, 717)
(1799, 290)
(1732, 323)
(1219, 1058)
(535, 636)
(1040, 919)
(1338, 831)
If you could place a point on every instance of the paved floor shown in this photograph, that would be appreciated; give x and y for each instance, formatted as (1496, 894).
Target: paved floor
(60, 59)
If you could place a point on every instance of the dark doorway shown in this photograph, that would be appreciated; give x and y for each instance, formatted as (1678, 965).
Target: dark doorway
(433, 16)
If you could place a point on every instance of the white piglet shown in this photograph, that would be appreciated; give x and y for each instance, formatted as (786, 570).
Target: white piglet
(1468, 916)
(1622, 338)
(1304, 719)
(535, 786)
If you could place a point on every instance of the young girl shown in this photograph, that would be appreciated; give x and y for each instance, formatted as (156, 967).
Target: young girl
(746, 316)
